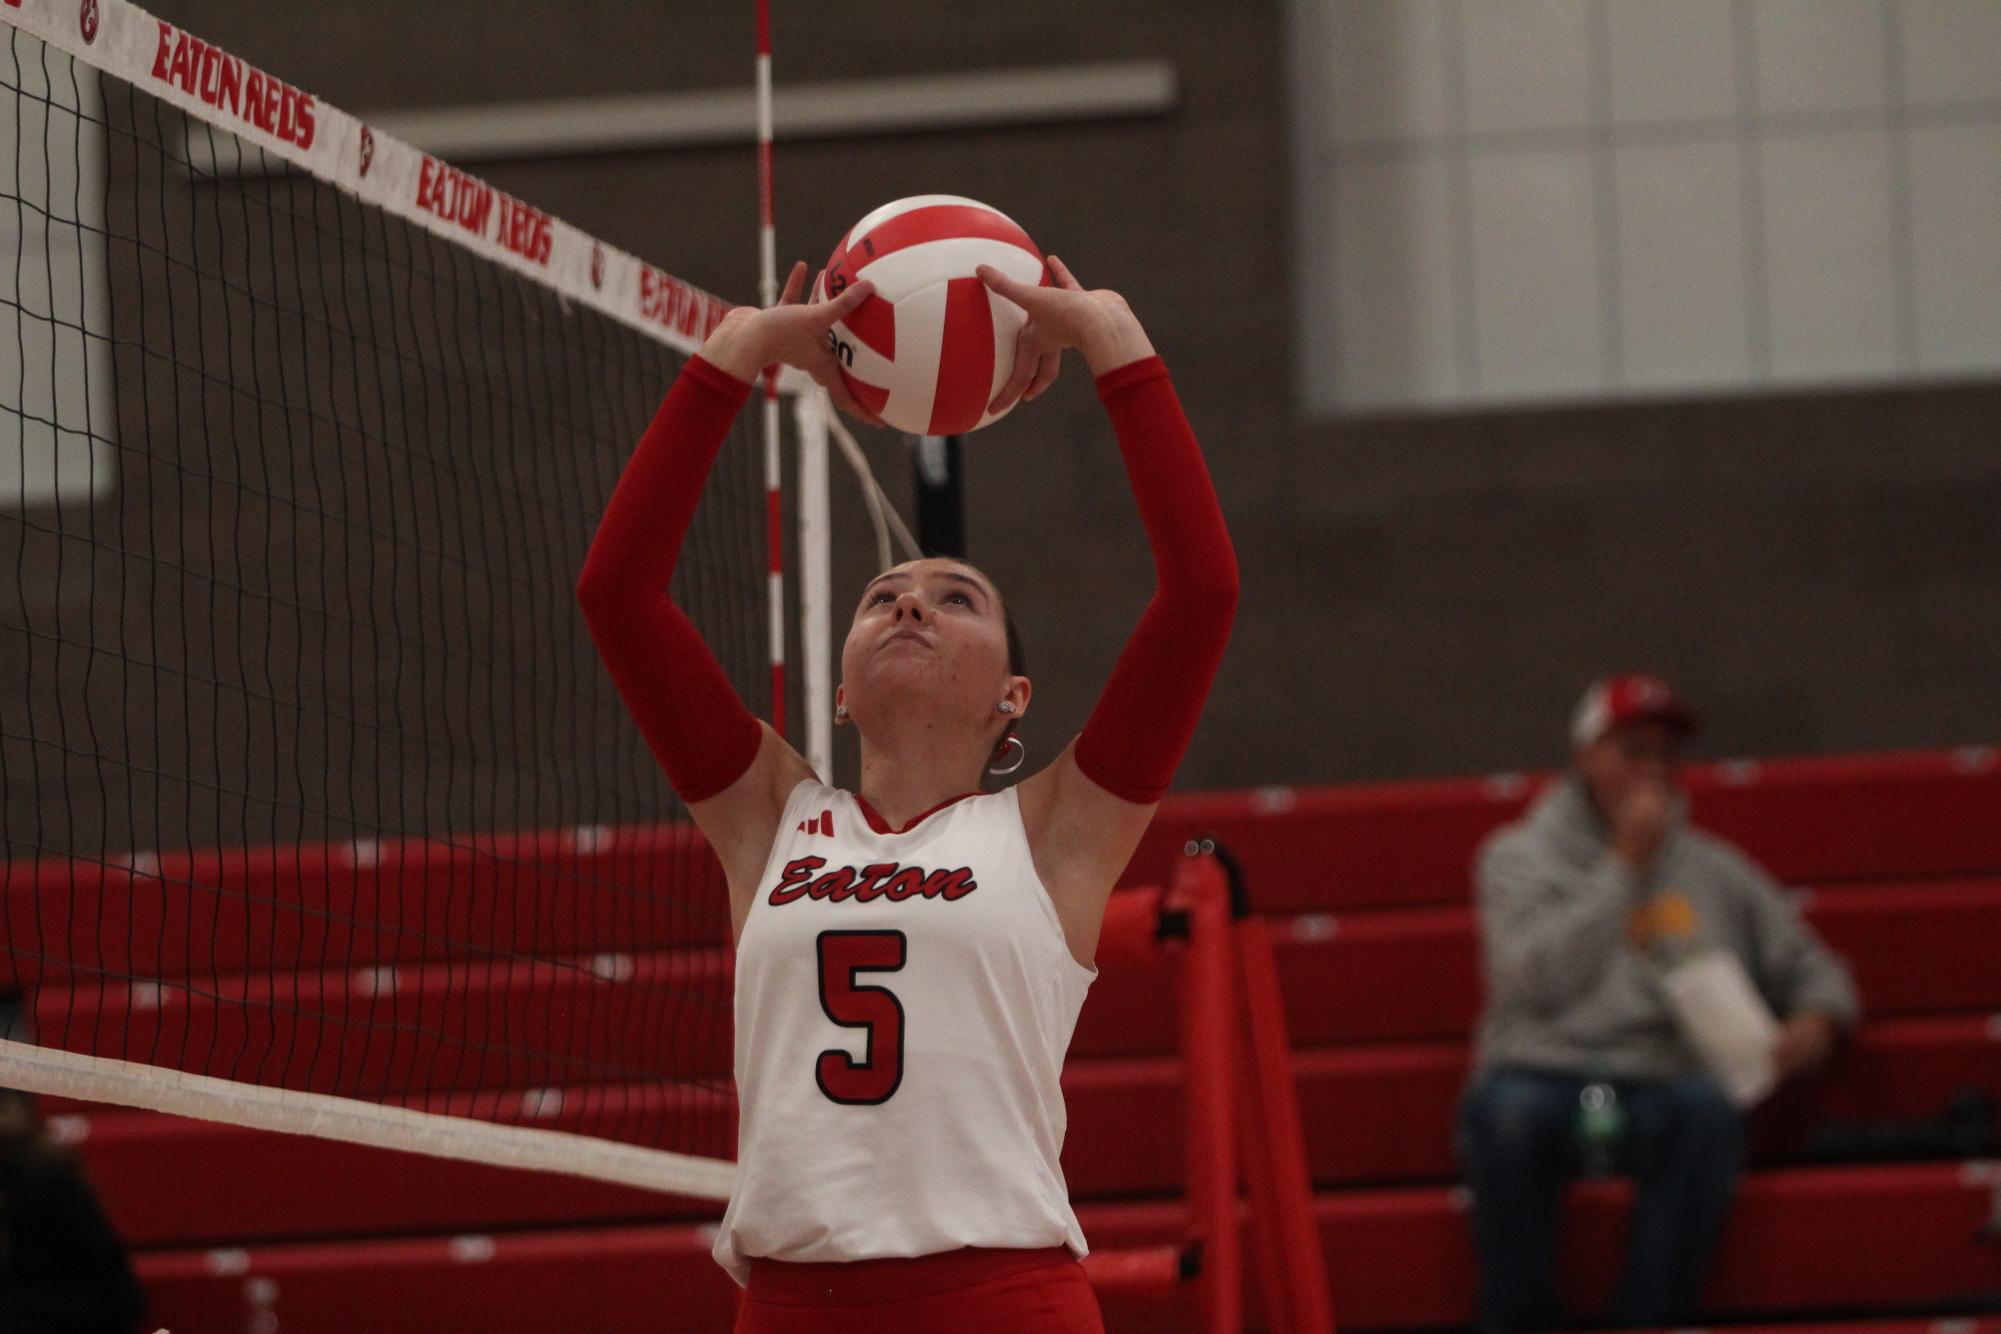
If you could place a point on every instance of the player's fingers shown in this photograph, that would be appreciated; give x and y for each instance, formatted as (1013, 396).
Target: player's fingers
(1020, 293)
(794, 283)
(830, 378)
(1045, 375)
(1061, 273)
(844, 304)
(851, 405)
(1026, 359)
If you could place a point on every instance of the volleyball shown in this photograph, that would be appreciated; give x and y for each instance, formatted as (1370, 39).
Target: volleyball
(930, 349)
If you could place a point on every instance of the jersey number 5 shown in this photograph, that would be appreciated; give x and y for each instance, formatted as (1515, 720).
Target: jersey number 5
(874, 1010)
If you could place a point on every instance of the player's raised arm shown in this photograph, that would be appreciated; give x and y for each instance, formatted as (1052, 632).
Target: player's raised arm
(1086, 812)
(732, 770)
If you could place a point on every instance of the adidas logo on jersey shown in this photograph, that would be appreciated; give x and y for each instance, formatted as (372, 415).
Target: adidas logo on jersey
(823, 823)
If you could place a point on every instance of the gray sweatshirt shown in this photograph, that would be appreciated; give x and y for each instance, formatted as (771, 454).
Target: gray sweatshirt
(1568, 990)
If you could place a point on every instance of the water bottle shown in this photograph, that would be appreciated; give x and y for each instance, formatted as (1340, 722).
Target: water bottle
(1600, 1123)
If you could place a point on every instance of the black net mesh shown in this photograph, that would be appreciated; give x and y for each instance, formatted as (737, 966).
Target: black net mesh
(311, 777)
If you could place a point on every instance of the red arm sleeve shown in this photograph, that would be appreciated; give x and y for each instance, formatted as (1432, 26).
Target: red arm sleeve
(698, 728)
(1141, 726)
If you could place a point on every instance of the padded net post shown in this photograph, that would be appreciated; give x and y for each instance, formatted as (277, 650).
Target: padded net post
(816, 596)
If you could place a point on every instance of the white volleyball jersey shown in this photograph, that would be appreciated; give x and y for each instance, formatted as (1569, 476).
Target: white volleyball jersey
(904, 1001)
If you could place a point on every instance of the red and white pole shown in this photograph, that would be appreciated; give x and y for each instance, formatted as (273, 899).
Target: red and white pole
(767, 254)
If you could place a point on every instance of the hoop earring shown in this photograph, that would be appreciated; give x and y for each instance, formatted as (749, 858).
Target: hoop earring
(1020, 757)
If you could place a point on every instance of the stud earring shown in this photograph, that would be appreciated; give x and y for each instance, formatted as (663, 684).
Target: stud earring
(840, 711)
(1007, 706)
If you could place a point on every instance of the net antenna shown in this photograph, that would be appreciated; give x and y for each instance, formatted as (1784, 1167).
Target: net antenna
(320, 814)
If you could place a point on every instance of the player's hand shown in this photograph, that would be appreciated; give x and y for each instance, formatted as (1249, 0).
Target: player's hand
(1099, 324)
(791, 333)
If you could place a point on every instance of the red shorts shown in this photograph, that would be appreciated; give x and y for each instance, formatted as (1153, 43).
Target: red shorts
(966, 1291)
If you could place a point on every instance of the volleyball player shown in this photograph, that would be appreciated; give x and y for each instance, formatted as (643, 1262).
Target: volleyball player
(912, 956)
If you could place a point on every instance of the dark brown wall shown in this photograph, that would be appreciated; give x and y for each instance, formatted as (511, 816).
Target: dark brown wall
(1421, 594)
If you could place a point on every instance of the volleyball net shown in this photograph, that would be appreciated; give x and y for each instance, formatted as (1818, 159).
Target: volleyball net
(320, 813)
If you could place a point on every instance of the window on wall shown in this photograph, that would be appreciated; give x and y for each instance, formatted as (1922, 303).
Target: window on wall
(1530, 200)
(57, 407)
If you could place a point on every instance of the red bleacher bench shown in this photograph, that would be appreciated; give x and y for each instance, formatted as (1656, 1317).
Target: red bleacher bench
(1808, 821)
(1363, 976)
(1376, 1114)
(1799, 1240)
(1899, 859)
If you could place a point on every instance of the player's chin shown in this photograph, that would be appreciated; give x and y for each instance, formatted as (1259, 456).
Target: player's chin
(908, 675)
(905, 670)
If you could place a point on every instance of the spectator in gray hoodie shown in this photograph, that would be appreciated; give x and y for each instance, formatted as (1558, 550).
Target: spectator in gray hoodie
(1583, 904)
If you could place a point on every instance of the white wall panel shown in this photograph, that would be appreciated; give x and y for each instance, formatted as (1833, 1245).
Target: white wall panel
(1681, 267)
(1527, 65)
(1672, 61)
(1819, 55)
(1536, 298)
(1386, 71)
(1396, 320)
(1507, 200)
(1827, 232)
(1956, 223)
(1951, 51)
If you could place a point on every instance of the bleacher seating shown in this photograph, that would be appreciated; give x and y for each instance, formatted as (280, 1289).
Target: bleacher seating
(1898, 859)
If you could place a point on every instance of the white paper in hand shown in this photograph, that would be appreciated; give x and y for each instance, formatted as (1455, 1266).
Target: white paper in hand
(1727, 1022)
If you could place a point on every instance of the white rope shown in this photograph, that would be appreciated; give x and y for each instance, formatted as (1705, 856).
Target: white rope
(69, 1074)
(882, 513)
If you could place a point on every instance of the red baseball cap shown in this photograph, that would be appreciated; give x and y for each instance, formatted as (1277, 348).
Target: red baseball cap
(1633, 697)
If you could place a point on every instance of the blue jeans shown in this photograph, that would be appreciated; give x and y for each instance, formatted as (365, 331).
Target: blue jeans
(1683, 1144)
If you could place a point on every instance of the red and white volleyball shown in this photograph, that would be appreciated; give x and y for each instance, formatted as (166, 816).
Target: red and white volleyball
(930, 349)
